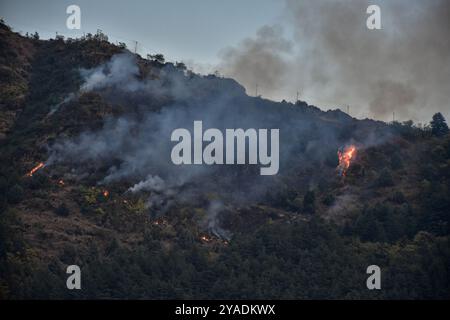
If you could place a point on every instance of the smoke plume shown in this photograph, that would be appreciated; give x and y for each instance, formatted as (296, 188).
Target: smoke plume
(402, 68)
(133, 148)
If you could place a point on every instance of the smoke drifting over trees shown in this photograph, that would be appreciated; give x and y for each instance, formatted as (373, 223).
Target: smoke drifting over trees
(334, 60)
(261, 61)
(134, 146)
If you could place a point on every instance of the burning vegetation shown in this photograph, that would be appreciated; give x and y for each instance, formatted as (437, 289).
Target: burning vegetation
(159, 222)
(206, 238)
(346, 155)
(33, 171)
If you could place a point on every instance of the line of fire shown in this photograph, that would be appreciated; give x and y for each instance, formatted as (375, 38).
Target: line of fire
(345, 155)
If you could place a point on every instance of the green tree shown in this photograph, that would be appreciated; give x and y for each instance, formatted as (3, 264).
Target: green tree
(158, 58)
(439, 126)
(181, 66)
(329, 200)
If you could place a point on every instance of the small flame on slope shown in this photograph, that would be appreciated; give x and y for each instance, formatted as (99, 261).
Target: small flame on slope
(345, 158)
(205, 238)
(32, 171)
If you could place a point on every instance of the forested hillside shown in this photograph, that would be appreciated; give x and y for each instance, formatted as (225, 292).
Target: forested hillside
(98, 120)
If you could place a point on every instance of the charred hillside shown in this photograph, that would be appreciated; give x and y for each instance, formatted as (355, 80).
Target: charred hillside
(86, 179)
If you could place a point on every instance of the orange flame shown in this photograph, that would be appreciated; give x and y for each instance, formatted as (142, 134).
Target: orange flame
(105, 193)
(345, 158)
(32, 171)
(205, 238)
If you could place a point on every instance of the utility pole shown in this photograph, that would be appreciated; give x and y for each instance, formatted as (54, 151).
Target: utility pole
(135, 46)
(297, 97)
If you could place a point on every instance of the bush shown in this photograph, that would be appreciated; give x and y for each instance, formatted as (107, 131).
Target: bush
(62, 210)
(329, 200)
(309, 202)
(396, 162)
(38, 181)
(398, 197)
(15, 194)
(385, 179)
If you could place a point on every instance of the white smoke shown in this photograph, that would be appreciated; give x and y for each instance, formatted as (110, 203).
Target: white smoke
(213, 220)
(335, 60)
(152, 183)
(153, 103)
(121, 70)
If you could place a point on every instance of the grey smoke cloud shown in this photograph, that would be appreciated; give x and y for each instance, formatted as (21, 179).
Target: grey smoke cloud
(213, 220)
(132, 149)
(152, 183)
(334, 60)
(260, 61)
(139, 141)
(121, 70)
(135, 147)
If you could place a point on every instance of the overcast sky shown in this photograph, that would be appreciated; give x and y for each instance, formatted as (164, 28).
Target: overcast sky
(181, 29)
(321, 48)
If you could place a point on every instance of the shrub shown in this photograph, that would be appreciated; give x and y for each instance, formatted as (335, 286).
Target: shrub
(309, 202)
(398, 197)
(396, 162)
(385, 179)
(15, 194)
(329, 200)
(62, 210)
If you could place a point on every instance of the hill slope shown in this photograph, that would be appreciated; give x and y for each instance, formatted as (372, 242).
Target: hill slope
(100, 118)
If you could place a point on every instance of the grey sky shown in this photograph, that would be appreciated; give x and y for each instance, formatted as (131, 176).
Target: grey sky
(180, 29)
(321, 48)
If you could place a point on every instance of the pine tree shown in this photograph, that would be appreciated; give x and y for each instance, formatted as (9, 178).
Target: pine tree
(439, 126)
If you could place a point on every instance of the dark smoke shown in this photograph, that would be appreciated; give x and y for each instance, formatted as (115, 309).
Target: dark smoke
(133, 149)
(403, 68)
(259, 62)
